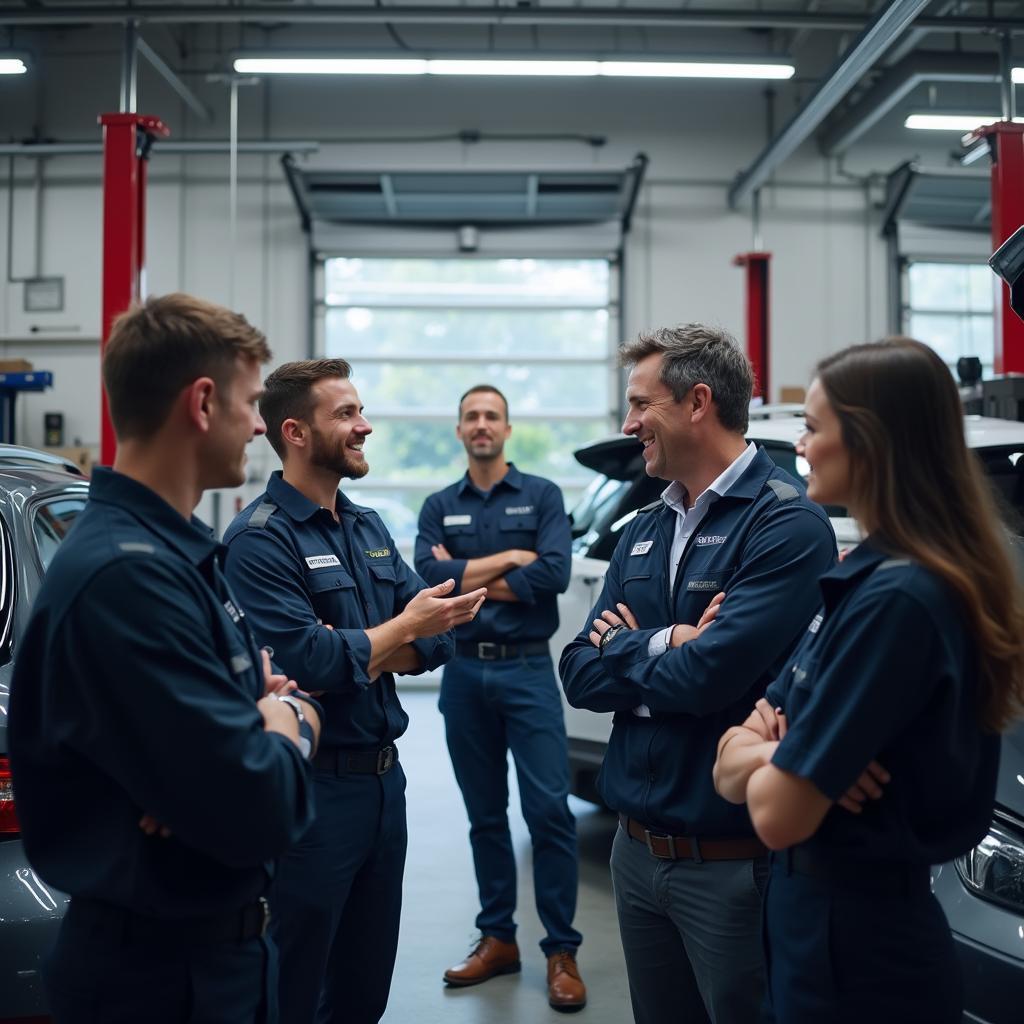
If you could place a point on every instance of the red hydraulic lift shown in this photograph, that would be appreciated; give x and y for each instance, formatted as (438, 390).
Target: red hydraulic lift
(757, 266)
(1006, 146)
(127, 139)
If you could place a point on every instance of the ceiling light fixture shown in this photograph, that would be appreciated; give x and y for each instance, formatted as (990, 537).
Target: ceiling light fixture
(557, 68)
(1018, 76)
(12, 66)
(952, 122)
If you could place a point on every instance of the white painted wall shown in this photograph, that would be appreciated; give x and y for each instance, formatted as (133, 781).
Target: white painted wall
(829, 274)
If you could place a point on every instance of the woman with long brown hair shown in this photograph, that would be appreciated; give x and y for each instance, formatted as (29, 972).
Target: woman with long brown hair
(874, 754)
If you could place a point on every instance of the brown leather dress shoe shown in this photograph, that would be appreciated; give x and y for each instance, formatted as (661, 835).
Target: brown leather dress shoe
(488, 959)
(566, 991)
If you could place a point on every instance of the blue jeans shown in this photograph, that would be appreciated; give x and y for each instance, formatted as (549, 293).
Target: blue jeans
(489, 708)
(336, 902)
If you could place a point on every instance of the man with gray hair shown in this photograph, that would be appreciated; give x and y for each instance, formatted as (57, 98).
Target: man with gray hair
(707, 591)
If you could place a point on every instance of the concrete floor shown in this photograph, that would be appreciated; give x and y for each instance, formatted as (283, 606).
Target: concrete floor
(441, 904)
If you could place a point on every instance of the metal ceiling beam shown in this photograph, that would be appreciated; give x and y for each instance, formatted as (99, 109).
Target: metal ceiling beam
(896, 83)
(167, 73)
(322, 14)
(879, 35)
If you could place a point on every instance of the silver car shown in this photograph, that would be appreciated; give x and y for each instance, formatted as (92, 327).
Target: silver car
(40, 497)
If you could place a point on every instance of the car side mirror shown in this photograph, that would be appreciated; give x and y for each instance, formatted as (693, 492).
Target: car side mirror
(1008, 262)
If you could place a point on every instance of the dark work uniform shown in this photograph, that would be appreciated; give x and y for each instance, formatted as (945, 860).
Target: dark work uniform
(338, 895)
(887, 671)
(500, 693)
(135, 693)
(689, 923)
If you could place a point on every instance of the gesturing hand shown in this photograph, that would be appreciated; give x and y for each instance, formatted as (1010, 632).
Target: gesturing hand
(432, 611)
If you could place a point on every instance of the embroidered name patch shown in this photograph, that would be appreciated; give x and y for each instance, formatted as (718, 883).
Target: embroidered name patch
(703, 585)
(815, 623)
(457, 520)
(519, 510)
(711, 538)
(229, 607)
(379, 553)
(322, 561)
(642, 548)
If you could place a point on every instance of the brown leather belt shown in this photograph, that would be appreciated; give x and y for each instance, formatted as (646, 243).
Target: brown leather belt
(690, 847)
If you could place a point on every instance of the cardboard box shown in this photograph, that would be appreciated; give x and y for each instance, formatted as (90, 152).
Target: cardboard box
(792, 395)
(81, 456)
(15, 366)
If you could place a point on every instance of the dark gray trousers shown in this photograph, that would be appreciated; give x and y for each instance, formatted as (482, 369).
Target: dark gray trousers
(691, 934)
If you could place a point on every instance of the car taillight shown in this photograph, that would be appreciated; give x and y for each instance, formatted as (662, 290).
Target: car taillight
(8, 819)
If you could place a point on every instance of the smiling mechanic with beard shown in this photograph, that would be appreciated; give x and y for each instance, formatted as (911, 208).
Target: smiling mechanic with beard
(322, 583)
(508, 531)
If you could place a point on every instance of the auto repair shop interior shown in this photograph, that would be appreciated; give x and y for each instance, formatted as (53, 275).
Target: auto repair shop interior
(505, 191)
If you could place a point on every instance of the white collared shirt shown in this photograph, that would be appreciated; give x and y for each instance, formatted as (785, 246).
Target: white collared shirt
(687, 520)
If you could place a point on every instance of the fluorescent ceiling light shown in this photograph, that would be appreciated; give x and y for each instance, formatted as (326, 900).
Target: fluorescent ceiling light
(327, 66)
(692, 69)
(12, 66)
(517, 68)
(953, 122)
(1018, 75)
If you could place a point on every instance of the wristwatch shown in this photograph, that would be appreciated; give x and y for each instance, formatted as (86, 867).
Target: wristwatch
(609, 634)
(294, 704)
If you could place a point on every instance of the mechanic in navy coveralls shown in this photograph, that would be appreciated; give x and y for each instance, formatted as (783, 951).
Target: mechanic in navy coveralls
(509, 531)
(323, 584)
(157, 769)
(875, 752)
(686, 866)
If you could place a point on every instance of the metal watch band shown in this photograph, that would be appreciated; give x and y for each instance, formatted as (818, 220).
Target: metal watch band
(294, 704)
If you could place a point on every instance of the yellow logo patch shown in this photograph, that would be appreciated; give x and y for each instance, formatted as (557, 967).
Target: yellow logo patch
(379, 553)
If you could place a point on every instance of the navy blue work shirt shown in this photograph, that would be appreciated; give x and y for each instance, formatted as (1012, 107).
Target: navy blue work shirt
(888, 671)
(519, 512)
(765, 544)
(297, 571)
(135, 693)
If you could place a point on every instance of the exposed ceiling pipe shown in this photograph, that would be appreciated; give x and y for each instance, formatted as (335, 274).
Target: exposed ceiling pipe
(320, 14)
(895, 84)
(885, 28)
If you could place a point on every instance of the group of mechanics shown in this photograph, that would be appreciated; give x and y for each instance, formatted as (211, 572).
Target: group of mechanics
(204, 735)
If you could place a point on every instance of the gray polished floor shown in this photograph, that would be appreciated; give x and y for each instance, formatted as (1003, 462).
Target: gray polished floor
(440, 903)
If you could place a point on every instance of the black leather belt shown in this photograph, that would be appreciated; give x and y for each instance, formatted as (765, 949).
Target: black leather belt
(486, 650)
(231, 926)
(356, 762)
(691, 847)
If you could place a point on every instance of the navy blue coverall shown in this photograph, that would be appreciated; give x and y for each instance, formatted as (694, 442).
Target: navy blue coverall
(135, 693)
(500, 693)
(764, 544)
(887, 671)
(337, 898)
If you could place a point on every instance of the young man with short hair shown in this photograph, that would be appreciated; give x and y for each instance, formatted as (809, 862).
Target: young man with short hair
(323, 584)
(508, 531)
(157, 761)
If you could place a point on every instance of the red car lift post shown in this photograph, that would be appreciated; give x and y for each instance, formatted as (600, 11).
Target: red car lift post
(126, 142)
(1006, 146)
(757, 278)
